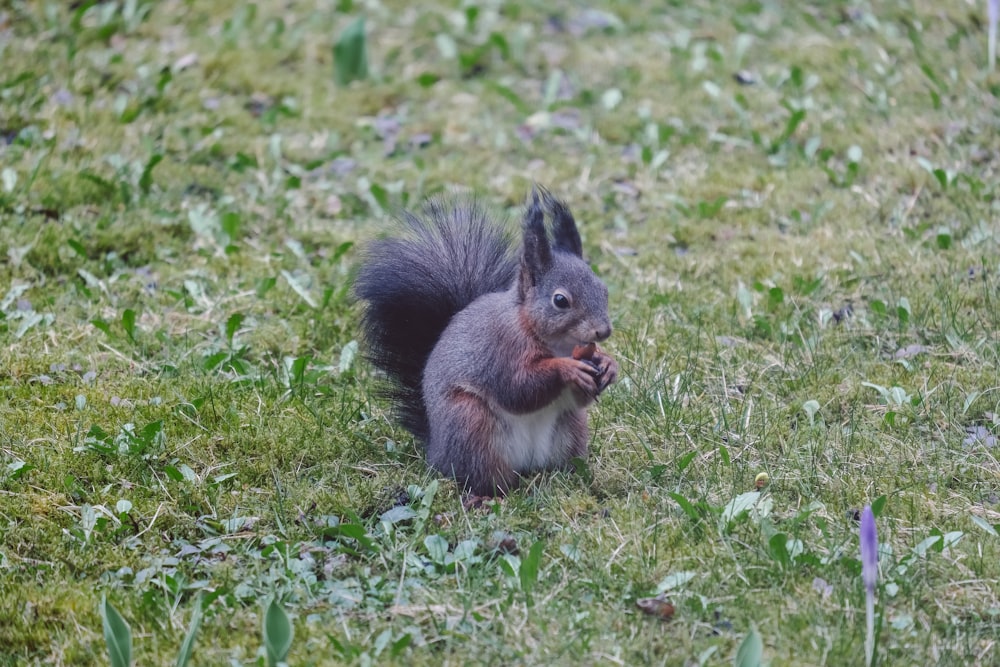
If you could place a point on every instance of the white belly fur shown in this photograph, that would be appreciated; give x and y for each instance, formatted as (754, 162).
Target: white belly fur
(530, 439)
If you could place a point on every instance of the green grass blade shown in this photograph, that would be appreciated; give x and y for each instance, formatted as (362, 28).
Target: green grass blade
(188, 646)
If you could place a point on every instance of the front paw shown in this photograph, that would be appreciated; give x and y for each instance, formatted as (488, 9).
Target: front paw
(581, 375)
(607, 370)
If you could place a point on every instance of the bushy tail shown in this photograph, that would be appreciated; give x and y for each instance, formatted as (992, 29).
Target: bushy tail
(415, 283)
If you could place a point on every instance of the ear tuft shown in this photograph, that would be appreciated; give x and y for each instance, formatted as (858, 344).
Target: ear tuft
(564, 230)
(536, 258)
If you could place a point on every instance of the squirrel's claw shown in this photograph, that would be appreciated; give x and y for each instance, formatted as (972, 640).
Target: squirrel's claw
(607, 370)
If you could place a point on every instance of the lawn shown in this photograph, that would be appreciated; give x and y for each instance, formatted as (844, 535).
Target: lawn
(794, 205)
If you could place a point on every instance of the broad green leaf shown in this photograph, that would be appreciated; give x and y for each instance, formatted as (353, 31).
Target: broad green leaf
(350, 54)
(751, 650)
(428, 79)
(102, 325)
(927, 543)
(232, 324)
(128, 323)
(942, 177)
(528, 571)
(398, 514)
(299, 288)
(117, 635)
(811, 407)
(685, 505)
(351, 531)
(297, 372)
(19, 468)
(77, 247)
(341, 250)
(684, 461)
(793, 123)
(510, 564)
(231, 225)
(724, 453)
(779, 551)
(214, 360)
(382, 641)
(466, 550)
(571, 551)
(151, 432)
(675, 580)
(951, 539)
(437, 547)
(878, 505)
(9, 178)
(503, 91)
(400, 645)
(146, 180)
(278, 633)
(982, 523)
(737, 506)
(380, 195)
(32, 319)
(347, 355)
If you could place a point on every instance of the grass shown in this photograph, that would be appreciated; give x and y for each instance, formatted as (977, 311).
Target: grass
(803, 275)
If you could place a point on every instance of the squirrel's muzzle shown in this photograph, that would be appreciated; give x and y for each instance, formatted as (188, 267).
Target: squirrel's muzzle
(602, 333)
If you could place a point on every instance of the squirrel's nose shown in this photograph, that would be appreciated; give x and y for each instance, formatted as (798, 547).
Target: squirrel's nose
(602, 333)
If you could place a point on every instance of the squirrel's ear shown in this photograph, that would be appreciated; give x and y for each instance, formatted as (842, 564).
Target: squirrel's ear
(564, 231)
(536, 258)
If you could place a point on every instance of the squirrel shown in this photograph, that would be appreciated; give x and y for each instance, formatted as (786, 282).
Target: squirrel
(490, 352)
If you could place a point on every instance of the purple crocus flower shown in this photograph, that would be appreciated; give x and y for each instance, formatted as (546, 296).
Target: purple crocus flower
(869, 550)
(869, 573)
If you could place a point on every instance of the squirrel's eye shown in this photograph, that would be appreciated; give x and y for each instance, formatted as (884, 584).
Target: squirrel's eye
(559, 300)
